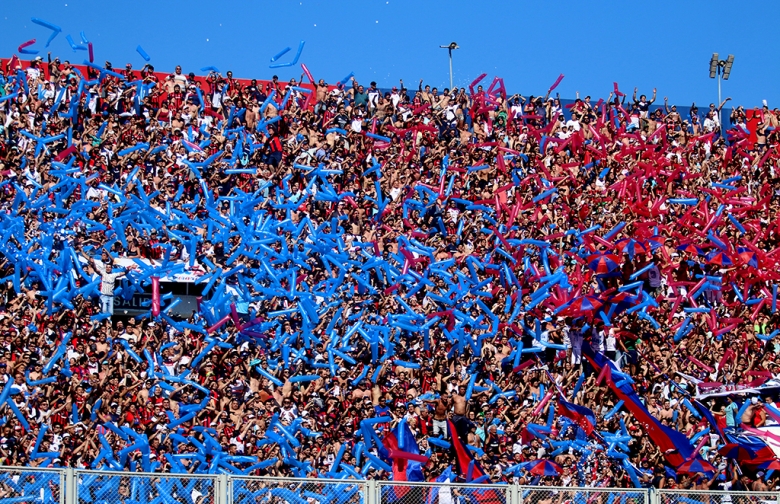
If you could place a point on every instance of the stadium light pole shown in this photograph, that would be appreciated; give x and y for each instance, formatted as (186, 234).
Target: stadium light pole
(451, 47)
(721, 69)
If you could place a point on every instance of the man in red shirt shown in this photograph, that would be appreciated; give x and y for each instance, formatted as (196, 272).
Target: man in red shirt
(273, 147)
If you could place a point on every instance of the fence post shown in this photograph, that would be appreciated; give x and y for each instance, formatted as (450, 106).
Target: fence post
(222, 491)
(514, 494)
(69, 493)
(371, 493)
(228, 489)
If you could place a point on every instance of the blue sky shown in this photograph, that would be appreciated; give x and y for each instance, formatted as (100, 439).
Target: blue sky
(663, 44)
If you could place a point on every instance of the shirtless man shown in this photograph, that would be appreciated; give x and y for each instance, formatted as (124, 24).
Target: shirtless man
(754, 415)
(442, 407)
(190, 109)
(101, 345)
(653, 408)
(460, 408)
(425, 93)
(666, 413)
(322, 91)
(761, 134)
(747, 415)
(502, 350)
(759, 485)
(343, 380)
(252, 113)
(702, 483)
(361, 391)
(768, 117)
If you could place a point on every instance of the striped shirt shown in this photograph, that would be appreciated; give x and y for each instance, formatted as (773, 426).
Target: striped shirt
(107, 280)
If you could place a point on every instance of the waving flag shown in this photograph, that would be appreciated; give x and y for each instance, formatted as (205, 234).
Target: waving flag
(466, 466)
(756, 446)
(433, 495)
(707, 415)
(755, 441)
(470, 469)
(582, 416)
(402, 449)
(673, 444)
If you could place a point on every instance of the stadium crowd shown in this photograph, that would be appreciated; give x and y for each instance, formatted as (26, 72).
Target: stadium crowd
(458, 185)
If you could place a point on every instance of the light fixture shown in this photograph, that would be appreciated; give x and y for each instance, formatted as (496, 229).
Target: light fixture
(722, 70)
(713, 65)
(727, 67)
(451, 47)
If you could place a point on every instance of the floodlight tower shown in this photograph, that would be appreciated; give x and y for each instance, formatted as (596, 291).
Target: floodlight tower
(721, 69)
(451, 47)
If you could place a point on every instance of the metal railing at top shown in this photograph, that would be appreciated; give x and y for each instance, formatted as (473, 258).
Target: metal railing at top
(99, 487)
(715, 497)
(69, 486)
(257, 490)
(25, 484)
(389, 492)
(577, 495)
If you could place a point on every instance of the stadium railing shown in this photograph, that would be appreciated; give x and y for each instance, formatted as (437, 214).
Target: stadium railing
(70, 486)
(715, 497)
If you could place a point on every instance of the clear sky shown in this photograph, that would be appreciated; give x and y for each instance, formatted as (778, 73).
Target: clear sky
(663, 44)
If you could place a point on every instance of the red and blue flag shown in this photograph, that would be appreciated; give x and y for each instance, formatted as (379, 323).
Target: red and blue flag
(673, 444)
(580, 415)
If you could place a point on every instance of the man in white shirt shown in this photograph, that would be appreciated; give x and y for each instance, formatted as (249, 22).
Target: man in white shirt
(77, 353)
(575, 339)
(33, 72)
(289, 411)
(597, 340)
(517, 108)
(373, 96)
(395, 96)
(107, 283)
(179, 78)
(451, 111)
(56, 437)
(573, 122)
(711, 122)
(544, 337)
(654, 279)
(611, 345)
(357, 122)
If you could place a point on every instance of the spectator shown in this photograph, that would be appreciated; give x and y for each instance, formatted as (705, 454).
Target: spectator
(107, 283)
(370, 232)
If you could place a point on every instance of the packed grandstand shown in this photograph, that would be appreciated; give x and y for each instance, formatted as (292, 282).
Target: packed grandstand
(405, 284)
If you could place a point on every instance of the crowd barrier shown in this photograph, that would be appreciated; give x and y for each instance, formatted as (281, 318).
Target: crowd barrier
(716, 497)
(69, 486)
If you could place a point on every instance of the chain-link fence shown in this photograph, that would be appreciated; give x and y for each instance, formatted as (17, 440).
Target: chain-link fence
(442, 493)
(32, 485)
(575, 495)
(715, 497)
(257, 490)
(94, 487)
(61, 486)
